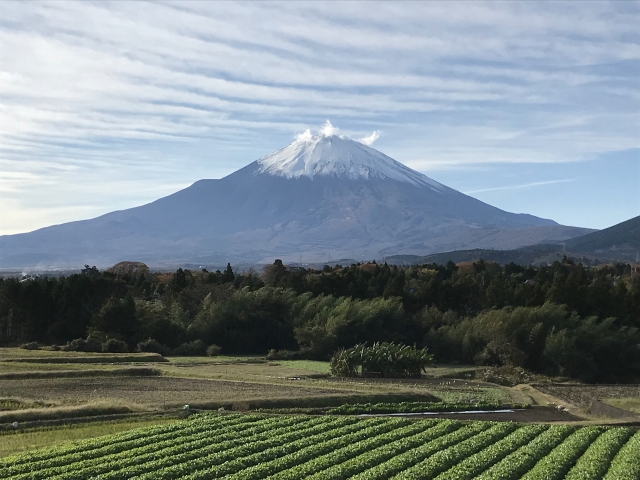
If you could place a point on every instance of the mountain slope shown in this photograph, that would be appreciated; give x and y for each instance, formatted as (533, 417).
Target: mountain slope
(619, 241)
(320, 196)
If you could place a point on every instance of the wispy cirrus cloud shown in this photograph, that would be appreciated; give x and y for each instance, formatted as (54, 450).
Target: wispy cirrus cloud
(93, 94)
(519, 186)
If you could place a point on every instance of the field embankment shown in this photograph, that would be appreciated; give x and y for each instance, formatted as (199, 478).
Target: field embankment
(120, 372)
(97, 358)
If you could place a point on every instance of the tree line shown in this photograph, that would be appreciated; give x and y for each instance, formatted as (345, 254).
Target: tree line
(562, 319)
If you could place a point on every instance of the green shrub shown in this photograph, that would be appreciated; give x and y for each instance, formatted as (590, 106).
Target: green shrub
(380, 360)
(213, 350)
(188, 349)
(82, 345)
(279, 354)
(302, 354)
(152, 346)
(30, 346)
(52, 348)
(115, 346)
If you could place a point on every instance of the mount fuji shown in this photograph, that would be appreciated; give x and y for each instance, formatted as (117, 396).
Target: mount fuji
(323, 196)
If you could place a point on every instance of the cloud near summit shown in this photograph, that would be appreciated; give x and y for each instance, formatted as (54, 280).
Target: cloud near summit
(97, 96)
(328, 129)
(368, 140)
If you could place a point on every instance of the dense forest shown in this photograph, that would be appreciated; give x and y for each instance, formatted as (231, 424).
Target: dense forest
(563, 319)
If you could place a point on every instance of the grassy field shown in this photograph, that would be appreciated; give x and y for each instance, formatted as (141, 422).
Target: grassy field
(16, 354)
(17, 441)
(41, 385)
(332, 448)
(630, 404)
(582, 395)
(193, 380)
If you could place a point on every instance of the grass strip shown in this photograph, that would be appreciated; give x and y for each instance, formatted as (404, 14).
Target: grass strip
(98, 358)
(116, 372)
(57, 413)
(31, 439)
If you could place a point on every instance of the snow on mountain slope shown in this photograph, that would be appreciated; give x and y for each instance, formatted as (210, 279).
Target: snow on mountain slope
(336, 155)
(323, 195)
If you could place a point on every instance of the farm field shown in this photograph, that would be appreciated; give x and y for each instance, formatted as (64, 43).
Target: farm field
(16, 441)
(582, 395)
(151, 391)
(629, 404)
(237, 446)
(40, 376)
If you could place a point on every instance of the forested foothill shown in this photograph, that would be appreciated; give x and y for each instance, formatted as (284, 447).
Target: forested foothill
(563, 319)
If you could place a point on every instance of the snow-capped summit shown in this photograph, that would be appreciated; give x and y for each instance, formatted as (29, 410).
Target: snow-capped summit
(329, 154)
(323, 196)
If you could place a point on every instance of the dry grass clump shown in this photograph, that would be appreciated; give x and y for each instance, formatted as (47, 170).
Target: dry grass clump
(56, 413)
(119, 372)
(15, 403)
(98, 358)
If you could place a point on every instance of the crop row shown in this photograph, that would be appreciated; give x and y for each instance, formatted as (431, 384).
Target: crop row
(411, 457)
(513, 466)
(353, 450)
(473, 465)
(147, 433)
(209, 465)
(626, 464)
(385, 452)
(184, 458)
(255, 447)
(446, 458)
(333, 442)
(92, 466)
(555, 465)
(594, 463)
(126, 448)
(239, 464)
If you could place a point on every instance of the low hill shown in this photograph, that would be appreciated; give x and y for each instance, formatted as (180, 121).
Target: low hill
(534, 255)
(620, 241)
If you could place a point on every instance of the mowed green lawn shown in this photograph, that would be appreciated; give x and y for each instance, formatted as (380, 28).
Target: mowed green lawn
(236, 446)
(17, 441)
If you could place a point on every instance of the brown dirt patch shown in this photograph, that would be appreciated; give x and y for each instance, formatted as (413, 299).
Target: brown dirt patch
(583, 395)
(151, 391)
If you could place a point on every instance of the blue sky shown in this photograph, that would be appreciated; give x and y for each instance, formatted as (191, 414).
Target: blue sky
(532, 107)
